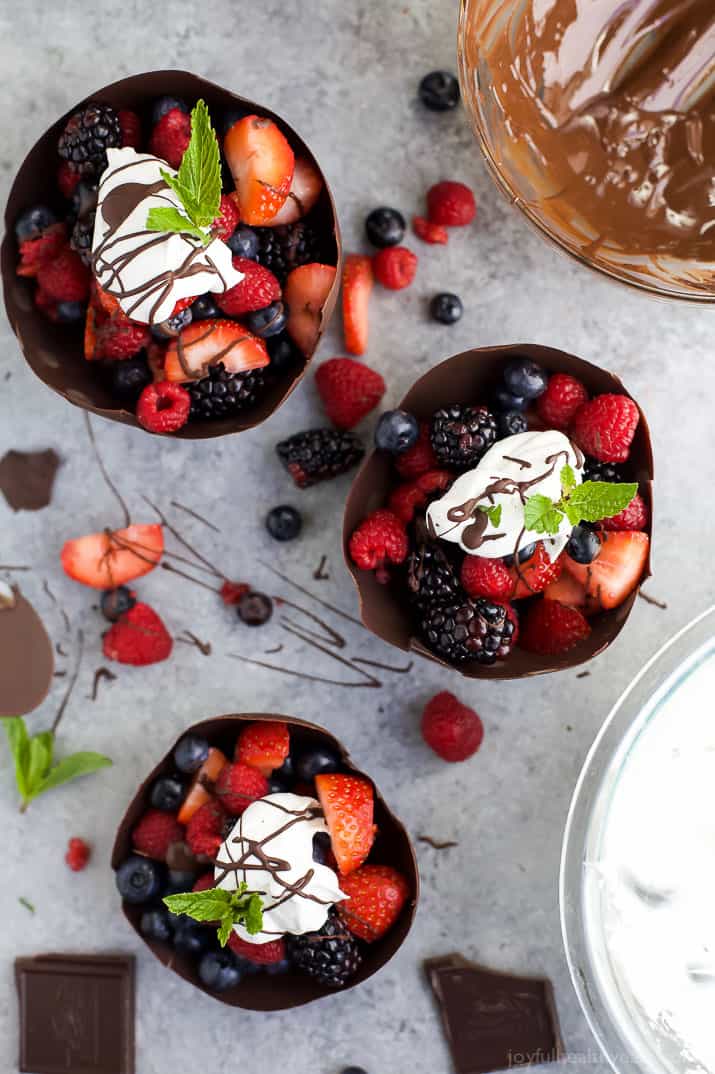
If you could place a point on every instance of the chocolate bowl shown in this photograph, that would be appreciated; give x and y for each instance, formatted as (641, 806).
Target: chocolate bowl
(55, 351)
(392, 846)
(470, 377)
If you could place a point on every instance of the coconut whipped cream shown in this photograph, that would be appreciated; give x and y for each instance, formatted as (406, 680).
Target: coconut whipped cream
(270, 848)
(511, 470)
(149, 271)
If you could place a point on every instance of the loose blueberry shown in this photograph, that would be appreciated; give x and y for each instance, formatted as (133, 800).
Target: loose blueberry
(439, 91)
(446, 308)
(584, 544)
(179, 882)
(190, 753)
(353, 1070)
(243, 242)
(128, 378)
(31, 223)
(321, 847)
(204, 309)
(167, 794)
(284, 523)
(70, 312)
(190, 937)
(396, 431)
(219, 970)
(511, 423)
(255, 609)
(504, 400)
(312, 762)
(115, 602)
(524, 553)
(524, 377)
(284, 355)
(156, 925)
(173, 325)
(267, 322)
(385, 227)
(139, 879)
(162, 105)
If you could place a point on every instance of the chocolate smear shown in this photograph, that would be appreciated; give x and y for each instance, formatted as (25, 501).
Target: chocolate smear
(28, 477)
(27, 662)
(652, 600)
(436, 844)
(189, 638)
(320, 574)
(100, 673)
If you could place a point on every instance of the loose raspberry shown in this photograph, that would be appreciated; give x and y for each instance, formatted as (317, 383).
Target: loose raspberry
(131, 128)
(427, 231)
(118, 338)
(155, 833)
(261, 954)
(551, 627)
(67, 179)
(634, 517)
(257, 289)
(418, 459)
(204, 832)
(414, 495)
(66, 278)
(482, 577)
(205, 881)
(78, 854)
(605, 427)
(376, 895)
(228, 219)
(395, 267)
(163, 407)
(451, 729)
(562, 398)
(450, 204)
(238, 785)
(379, 540)
(171, 136)
(232, 593)
(34, 253)
(138, 637)
(349, 390)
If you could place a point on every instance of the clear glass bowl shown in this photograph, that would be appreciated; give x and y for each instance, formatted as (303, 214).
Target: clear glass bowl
(627, 1038)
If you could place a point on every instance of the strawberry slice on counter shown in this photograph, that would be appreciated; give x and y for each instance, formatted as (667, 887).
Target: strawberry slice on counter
(348, 804)
(358, 280)
(376, 895)
(615, 572)
(264, 746)
(107, 560)
(304, 192)
(199, 792)
(205, 343)
(262, 164)
(305, 293)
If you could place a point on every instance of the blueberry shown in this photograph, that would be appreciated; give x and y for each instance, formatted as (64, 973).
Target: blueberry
(275, 969)
(190, 937)
(172, 325)
(353, 1070)
(524, 553)
(156, 925)
(505, 400)
(70, 312)
(282, 779)
(243, 242)
(84, 199)
(312, 762)
(204, 308)
(270, 321)
(584, 544)
(162, 105)
(439, 91)
(446, 308)
(385, 227)
(33, 222)
(139, 879)
(284, 354)
(179, 882)
(167, 794)
(396, 431)
(284, 522)
(231, 116)
(115, 602)
(128, 378)
(511, 423)
(247, 968)
(255, 609)
(321, 847)
(219, 970)
(190, 753)
(524, 377)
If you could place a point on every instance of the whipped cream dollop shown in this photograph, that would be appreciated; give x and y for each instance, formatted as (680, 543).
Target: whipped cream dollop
(149, 271)
(270, 848)
(507, 474)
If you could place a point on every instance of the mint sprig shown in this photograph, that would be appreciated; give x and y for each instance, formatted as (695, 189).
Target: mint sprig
(493, 513)
(227, 908)
(589, 502)
(197, 184)
(35, 769)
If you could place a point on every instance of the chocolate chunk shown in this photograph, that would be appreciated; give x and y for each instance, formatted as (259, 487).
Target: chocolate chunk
(27, 478)
(26, 658)
(76, 1013)
(494, 1021)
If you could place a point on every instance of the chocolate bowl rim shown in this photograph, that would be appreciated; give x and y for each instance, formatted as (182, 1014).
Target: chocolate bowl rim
(267, 989)
(91, 396)
(378, 607)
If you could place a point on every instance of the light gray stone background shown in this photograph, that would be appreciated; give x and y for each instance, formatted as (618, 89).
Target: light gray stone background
(345, 74)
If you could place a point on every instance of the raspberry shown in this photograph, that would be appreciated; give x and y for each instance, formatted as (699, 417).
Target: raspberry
(232, 593)
(427, 231)
(138, 637)
(451, 729)
(413, 496)
(552, 627)
(228, 219)
(395, 267)
(419, 458)
(450, 204)
(349, 390)
(67, 179)
(562, 398)
(163, 407)
(118, 338)
(261, 954)
(45, 304)
(155, 833)
(379, 540)
(170, 137)
(257, 289)
(131, 128)
(205, 881)
(238, 785)
(633, 517)
(204, 832)
(605, 427)
(66, 278)
(78, 854)
(482, 577)
(34, 253)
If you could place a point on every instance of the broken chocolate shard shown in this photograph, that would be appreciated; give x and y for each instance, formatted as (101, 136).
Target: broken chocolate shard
(27, 661)
(76, 1013)
(28, 477)
(492, 1020)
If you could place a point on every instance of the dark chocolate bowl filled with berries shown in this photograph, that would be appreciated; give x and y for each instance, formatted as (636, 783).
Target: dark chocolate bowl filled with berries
(502, 527)
(171, 256)
(261, 866)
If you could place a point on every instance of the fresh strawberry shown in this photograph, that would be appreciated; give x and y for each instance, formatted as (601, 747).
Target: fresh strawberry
(357, 285)
(562, 398)
(304, 192)
(551, 627)
(204, 832)
(45, 304)
(450, 204)
(118, 337)
(260, 954)
(347, 802)
(156, 360)
(349, 390)
(238, 785)
(634, 517)
(67, 179)
(376, 896)
(78, 854)
(262, 164)
(414, 495)
(605, 427)
(163, 407)
(205, 881)
(102, 300)
(419, 458)
(228, 219)
(256, 290)
(131, 128)
(66, 278)
(263, 745)
(109, 559)
(379, 540)
(35, 253)
(451, 729)
(138, 637)
(616, 570)
(203, 343)
(90, 334)
(395, 267)
(567, 590)
(232, 593)
(305, 293)
(202, 784)
(535, 574)
(482, 577)
(427, 231)
(171, 136)
(155, 833)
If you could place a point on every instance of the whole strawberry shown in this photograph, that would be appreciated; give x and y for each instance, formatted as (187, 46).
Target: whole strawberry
(550, 627)
(451, 729)
(376, 896)
(605, 427)
(258, 289)
(349, 390)
(155, 833)
(261, 954)
(238, 786)
(138, 637)
(204, 832)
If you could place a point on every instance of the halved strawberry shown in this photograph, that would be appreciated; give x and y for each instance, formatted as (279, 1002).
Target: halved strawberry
(347, 803)
(304, 192)
(199, 792)
(262, 165)
(535, 574)
(358, 281)
(376, 895)
(264, 746)
(615, 572)
(567, 590)
(106, 560)
(305, 293)
(205, 343)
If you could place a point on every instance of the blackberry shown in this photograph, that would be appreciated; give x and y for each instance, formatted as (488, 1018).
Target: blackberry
(81, 238)
(331, 956)
(468, 630)
(87, 137)
(430, 577)
(601, 471)
(319, 454)
(220, 394)
(460, 435)
(281, 249)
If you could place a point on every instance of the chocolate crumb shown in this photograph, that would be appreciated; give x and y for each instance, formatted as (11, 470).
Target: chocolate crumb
(59, 650)
(436, 844)
(652, 600)
(59, 675)
(48, 591)
(583, 674)
(27, 478)
(100, 673)
(276, 649)
(320, 574)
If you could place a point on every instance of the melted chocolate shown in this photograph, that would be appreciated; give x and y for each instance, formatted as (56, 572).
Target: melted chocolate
(27, 478)
(26, 658)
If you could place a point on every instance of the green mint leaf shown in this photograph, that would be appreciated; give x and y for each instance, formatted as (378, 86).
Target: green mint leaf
(568, 479)
(225, 930)
(542, 515)
(69, 768)
(594, 500)
(19, 743)
(200, 170)
(492, 513)
(39, 760)
(26, 903)
(166, 218)
(211, 905)
(254, 915)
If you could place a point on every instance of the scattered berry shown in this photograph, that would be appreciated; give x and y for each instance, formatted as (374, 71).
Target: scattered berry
(611, 578)
(460, 435)
(284, 523)
(270, 321)
(450, 204)
(524, 378)
(163, 407)
(376, 896)
(482, 577)
(262, 164)
(115, 602)
(263, 745)
(349, 390)
(139, 637)
(385, 227)
(156, 925)
(311, 762)
(330, 956)
(40, 251)
(218, 970)
(379, 540)
(167, 794)
(238, 785)
(348, 805)
(439, 91)
(419, 458)
(305, 293)
(413, 496)
(427, 231)
(204, 832)
(584, 544)
(87, 136)
(190, 753)
(395, 267)
(396, 432)
(262, 954)
(78, 854)
(128, 378)
(319, 454)
(550, 627)
(233, 592)
(106, 560)
(254, 609)
(155, 833)
(33, 223)
(66, 278)
(139, 879)
(171, 136)
(562, 398)
(604, 428)
(634, 517)
(258, 289)
(357, 285)
(243, 242)
(446, 308)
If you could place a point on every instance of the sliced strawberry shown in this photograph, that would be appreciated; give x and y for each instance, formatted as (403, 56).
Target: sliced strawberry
(567, 590)
(262, 164)
(535, 574)
(615, 572)
(204, 343)
(305, 293)
(304, 192)
(199, 792)
(90, 334)
(264, 745)
(376, 895)
(358, 281)
(106, 560)
(347, 803)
